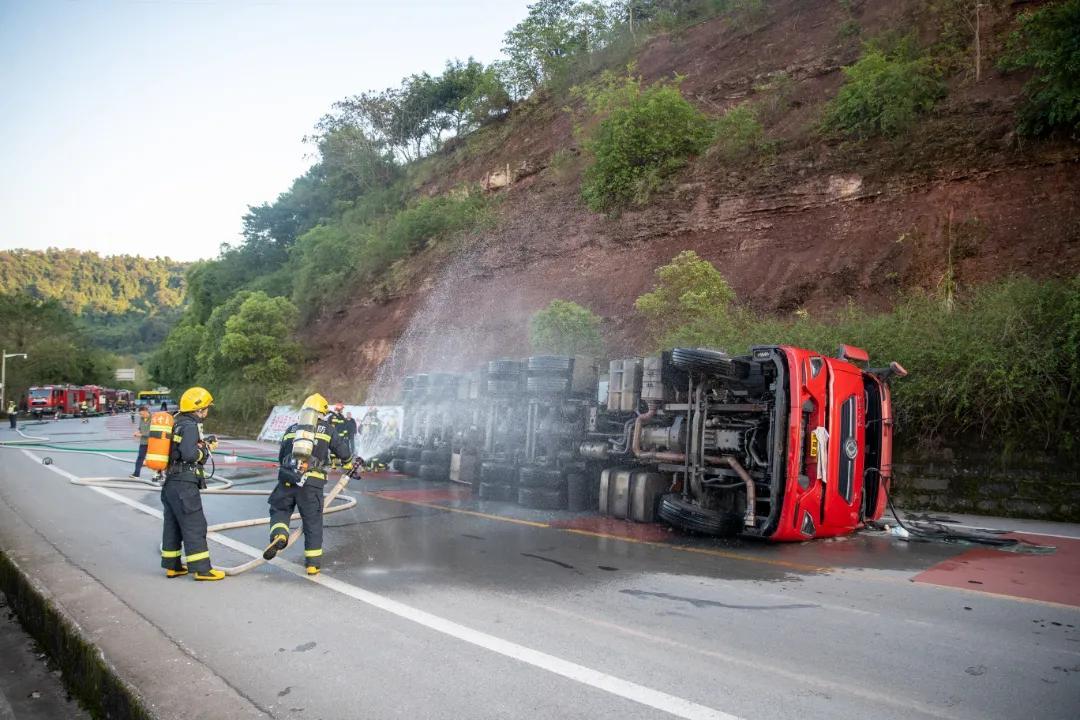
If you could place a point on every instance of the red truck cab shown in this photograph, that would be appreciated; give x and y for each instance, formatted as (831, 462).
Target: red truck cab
(785, 444)
(839, 444)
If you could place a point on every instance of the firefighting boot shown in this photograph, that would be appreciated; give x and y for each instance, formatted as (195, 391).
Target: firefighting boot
(176, 573)
(276, 545)
(210, 574)
(312, 570)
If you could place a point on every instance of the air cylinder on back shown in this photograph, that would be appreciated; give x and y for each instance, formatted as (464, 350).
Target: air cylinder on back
(304, 440)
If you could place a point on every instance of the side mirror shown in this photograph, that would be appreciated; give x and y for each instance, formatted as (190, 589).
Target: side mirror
(853, 354)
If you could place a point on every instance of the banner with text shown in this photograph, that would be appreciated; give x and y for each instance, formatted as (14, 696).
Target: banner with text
(378, 427)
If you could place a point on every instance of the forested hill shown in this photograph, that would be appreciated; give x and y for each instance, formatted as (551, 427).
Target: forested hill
(88, 282)
(127, 303)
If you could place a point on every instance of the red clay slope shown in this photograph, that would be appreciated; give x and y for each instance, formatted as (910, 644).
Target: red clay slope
(813, 225)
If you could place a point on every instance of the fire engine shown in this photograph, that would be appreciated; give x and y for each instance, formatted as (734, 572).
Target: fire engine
(61, 400)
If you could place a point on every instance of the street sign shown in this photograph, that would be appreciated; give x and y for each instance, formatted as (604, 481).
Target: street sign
(125, 374)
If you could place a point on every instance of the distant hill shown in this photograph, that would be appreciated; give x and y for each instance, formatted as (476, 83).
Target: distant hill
(127, 303)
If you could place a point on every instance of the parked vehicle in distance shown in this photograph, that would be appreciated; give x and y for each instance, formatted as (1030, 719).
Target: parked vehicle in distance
(154, 399)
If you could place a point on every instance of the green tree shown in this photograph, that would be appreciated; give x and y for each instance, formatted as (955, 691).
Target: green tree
(257, 340)
(566, 328)
(884, 92)
(554, 35)
(176, 362)
(690, 304)
(1048, 41)
(212, 364)
(647, 135)
(58, 352)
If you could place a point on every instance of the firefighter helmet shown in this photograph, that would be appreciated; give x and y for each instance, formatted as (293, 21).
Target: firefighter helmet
(317, 403)
(195, 398)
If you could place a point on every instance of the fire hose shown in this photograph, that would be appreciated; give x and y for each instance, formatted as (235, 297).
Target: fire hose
(224, 487)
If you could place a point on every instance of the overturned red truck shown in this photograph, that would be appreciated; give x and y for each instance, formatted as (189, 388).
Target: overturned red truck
(782, 443)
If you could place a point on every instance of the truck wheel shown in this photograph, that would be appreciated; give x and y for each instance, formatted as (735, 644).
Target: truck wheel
(579, 495)
(410, 467)
(702, 360)
(547, 385)
(679, 513)
(432, 472)
(501, 473)
(541, 498)
(396, 464)
(501, 388)
(495, 491)
(435, 457)
(536, 477)
(558, 365)
(504, 368)
(410, 452)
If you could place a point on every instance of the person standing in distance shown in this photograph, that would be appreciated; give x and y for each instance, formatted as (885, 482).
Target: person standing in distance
(143, 433)
(184, 519)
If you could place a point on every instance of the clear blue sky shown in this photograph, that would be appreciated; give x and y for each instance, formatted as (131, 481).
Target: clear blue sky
(147, 127)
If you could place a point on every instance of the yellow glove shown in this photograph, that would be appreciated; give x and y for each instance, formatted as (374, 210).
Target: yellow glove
(347, 466)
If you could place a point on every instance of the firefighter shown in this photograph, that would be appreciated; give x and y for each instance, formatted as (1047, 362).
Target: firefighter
(84, 410)
(338, 422)
(350, 429)
(300, 485)
(184, 519)
(12, 413)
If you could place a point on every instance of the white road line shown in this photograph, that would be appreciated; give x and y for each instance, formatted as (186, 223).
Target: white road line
(679, 707)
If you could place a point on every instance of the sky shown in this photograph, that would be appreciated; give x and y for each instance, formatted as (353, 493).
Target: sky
(147, 127)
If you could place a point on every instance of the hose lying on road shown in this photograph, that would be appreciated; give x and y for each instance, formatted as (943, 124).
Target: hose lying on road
(221, 486)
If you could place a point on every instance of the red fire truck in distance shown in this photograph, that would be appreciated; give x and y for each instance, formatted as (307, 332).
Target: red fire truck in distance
(61, 400)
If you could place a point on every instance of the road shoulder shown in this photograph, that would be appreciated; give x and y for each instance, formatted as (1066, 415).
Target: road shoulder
(120, 664)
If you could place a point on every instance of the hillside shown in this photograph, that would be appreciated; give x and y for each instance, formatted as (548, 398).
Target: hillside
(837, 171)
(125, 303)
(817, 224)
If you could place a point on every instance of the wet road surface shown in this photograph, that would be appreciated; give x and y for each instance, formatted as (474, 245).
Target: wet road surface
(434, 605)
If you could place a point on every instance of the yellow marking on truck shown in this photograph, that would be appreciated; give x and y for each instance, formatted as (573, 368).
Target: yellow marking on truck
(813, 445)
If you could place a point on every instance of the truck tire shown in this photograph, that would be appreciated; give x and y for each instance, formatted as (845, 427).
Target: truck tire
(537, 477)
(684, 515)
(541, 498)
(501, 473)
(396, 465)
(410, 452)
(502, 388)
(547, 385)
(579, 495)
(703, 360)
(433, 472)
(550, 365)
(504, 368)
(435, 457)
(411, 468)
(496, 491)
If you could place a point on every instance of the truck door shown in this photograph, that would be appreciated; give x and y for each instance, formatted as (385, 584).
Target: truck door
(813, 410)
(846, 451)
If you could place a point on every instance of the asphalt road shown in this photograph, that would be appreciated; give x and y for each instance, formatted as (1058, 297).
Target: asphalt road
(433, 606)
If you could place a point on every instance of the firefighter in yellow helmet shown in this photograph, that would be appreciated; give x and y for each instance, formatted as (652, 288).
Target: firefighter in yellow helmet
(184, 519)
(301, 478)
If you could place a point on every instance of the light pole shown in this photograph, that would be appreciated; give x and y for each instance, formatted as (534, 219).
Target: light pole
(3, 374)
